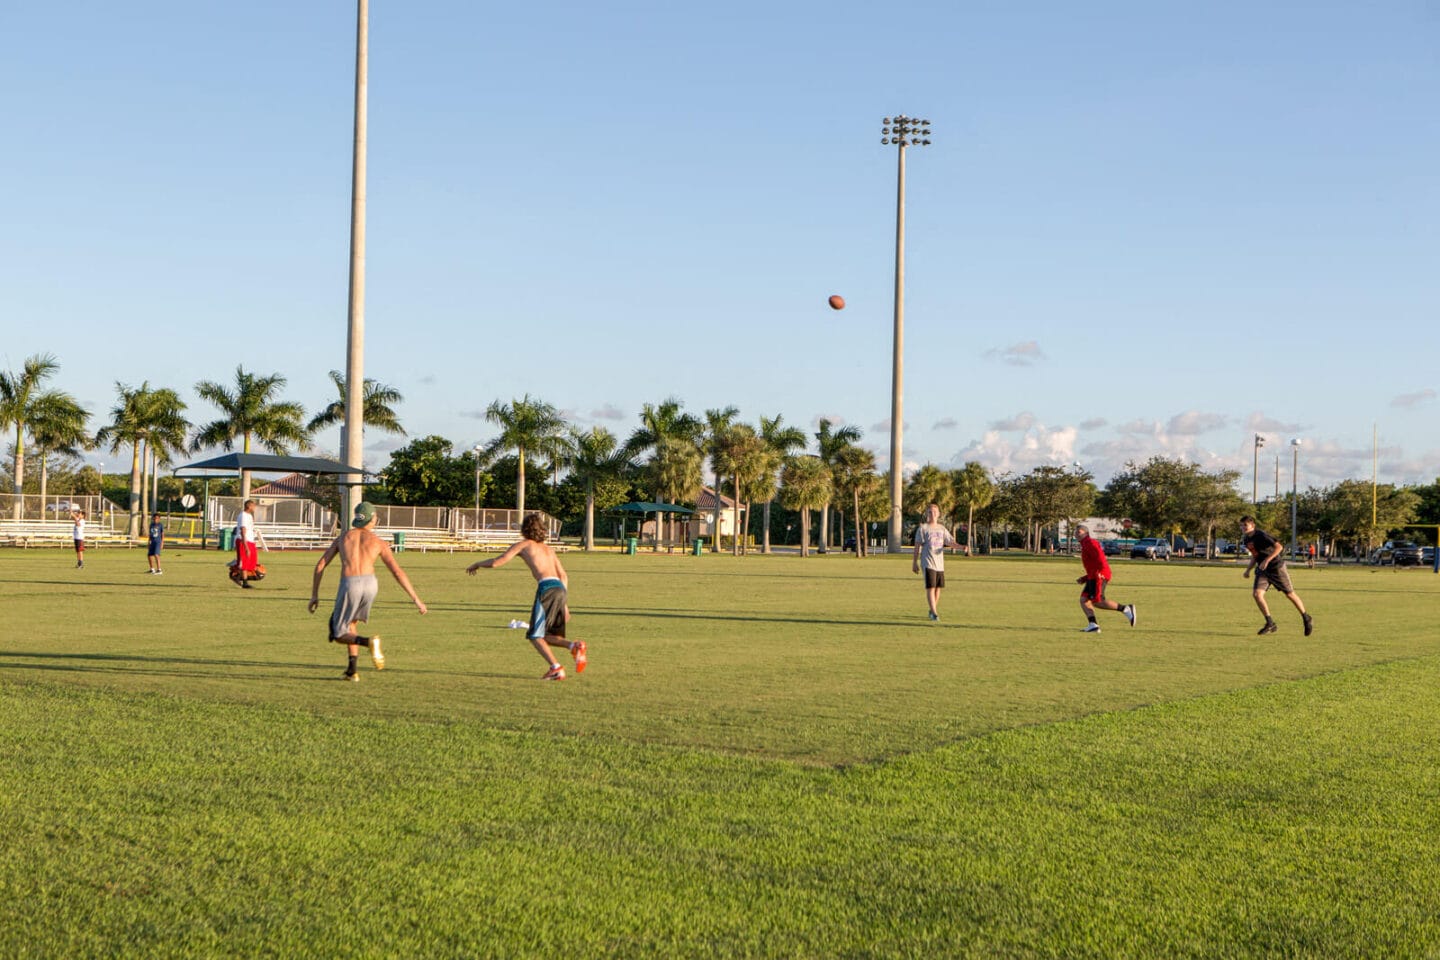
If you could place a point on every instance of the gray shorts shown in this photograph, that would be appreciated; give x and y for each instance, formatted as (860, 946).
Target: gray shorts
(1276, 574)
(352, 603)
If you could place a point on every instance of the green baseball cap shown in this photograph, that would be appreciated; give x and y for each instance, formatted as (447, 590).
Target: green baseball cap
(364, 513)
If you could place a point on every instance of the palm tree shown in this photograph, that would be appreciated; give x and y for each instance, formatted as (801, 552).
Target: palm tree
(600, 465)
(854, 473)
(662, 422)
(127, 426)
(251, 412)
(57, 425)
(717, 421)
(830, 445)
(782, 441)
(974, 489)
(744, 456)
(17, 398)
(930, 485)
(675, 472)
(377, 407)
(526, 426)
(164, 435)
(804, 486)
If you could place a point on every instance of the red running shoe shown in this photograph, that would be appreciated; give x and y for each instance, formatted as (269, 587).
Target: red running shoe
(556, 672)
(577, 650)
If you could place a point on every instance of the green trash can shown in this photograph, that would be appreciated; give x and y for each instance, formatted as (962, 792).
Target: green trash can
(399, 540)
(698, 548)
(227, 539)
(630, 544)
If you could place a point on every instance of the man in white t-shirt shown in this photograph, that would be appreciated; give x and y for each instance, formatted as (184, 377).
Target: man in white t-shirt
(77, 533)
(931, 539)
(247, 553)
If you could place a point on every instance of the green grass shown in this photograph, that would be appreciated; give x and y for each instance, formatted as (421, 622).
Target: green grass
(768, 757)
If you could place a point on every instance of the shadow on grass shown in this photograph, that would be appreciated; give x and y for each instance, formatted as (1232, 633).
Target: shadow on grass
(254, 669)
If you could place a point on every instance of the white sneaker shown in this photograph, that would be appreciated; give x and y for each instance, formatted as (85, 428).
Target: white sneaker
(376, 656)
(1091, 628)
(1129, 611)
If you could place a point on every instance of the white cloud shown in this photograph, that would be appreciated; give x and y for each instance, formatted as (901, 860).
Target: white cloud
(1193, 422)
(1094, 423)
(946, 423)
(1407, 400)
(607, 412)
(1024, 354)
(1018, 423)
(1037, 445)
(1259, 423)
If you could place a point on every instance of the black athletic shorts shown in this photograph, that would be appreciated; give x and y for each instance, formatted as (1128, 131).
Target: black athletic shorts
(1093, 590)
(934, 579)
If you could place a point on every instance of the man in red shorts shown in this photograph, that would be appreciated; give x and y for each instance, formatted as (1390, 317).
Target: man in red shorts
(1097, 574)
(247, 551)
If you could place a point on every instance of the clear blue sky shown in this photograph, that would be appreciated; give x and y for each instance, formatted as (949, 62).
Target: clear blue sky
(1141, 228)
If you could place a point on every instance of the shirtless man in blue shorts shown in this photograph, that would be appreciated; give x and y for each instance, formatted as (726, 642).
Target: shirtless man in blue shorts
(551, 611)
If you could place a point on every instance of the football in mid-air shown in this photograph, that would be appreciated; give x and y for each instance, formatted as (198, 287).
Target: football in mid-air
(837, 302)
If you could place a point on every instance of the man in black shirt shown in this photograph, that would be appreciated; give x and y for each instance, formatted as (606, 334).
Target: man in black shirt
(1268, 561)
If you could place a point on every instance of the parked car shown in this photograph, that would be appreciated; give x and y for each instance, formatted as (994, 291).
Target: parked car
(1407, 554)
(1151, 548)
(1427, 556)
(1112, 548)
(1398, 553)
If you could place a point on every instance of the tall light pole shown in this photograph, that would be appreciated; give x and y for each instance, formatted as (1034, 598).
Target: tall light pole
(1255, 473)
(902, 131)
(353, 435)
(1294, 494)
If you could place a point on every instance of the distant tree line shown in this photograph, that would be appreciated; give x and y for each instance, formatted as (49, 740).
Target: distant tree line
(782, 493)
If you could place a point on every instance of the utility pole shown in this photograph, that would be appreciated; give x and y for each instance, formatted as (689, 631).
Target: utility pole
(353, 436)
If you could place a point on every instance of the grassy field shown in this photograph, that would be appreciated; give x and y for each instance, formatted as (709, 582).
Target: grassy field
(767, 757)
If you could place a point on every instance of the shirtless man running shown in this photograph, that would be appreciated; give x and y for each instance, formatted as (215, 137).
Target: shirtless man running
(551, 611)
(358, 549)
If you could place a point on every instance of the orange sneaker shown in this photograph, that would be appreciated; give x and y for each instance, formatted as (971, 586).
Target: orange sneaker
(577, 650)
(556, 672)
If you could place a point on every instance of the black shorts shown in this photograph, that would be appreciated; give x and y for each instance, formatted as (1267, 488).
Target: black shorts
(934, 579)
(1276, 574)
(1093, 590)
(547, 614)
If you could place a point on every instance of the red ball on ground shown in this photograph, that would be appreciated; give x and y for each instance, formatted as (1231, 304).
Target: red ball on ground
(837, 302)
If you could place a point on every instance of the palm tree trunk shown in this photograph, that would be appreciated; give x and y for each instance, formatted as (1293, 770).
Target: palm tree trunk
(715, 519)
(735, 547)
(589, 541)
(19, 468)
(804, 531)
(765, 532)
(825, 528)
(970, 533)
(520, 485)
(132, 529)
(44, 480)
(859, 540)
(144, 481)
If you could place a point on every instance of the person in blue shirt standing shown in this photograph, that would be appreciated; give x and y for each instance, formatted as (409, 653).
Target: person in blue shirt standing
(157, 541)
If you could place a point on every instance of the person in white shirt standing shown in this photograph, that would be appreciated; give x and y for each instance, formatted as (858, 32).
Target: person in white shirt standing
(931, 539)
(78, 532)
(247, 551)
